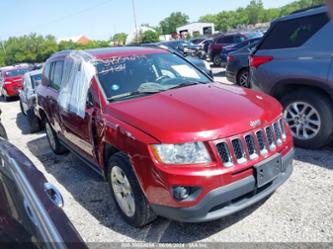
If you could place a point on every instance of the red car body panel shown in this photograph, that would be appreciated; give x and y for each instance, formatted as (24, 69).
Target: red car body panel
(196, 113)
(12, 85)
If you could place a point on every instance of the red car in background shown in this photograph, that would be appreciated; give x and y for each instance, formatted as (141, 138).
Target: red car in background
(11, 80)
(169, 140)
(215, 48)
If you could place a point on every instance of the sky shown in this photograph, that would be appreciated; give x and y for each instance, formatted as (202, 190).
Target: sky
(100, 19)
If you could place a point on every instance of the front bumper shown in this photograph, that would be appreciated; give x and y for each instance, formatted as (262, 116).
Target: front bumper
(228, 199)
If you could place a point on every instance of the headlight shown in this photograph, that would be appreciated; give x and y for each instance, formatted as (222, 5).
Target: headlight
(207, 65)
(8, 82)
(188, 153)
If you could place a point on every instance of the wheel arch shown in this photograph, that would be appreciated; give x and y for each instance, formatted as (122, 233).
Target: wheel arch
(284, 86)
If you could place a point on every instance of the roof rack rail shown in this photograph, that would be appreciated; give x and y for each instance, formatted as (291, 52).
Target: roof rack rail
(308, 8)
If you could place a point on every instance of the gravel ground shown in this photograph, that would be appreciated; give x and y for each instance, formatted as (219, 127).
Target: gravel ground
(299, 211)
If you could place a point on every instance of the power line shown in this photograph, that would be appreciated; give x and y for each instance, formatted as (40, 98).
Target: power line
(75, 13)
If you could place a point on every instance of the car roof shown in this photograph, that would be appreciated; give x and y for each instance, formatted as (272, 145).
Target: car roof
(105, 53)
(34, 72)
(302, 13)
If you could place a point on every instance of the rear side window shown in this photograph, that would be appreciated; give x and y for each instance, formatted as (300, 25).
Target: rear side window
(293, 33)
(228, 39)
(46, 74)
(56, 74)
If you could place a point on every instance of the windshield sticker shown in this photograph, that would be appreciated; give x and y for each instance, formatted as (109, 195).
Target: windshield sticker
(186, 71)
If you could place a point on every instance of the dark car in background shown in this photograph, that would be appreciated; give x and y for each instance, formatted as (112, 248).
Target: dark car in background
(228, 49)
(237, 69)
(3, 133)
(223, 40)
(31, 212)
(28, 98)
(11, 81)
(293, 63)
(204, 46)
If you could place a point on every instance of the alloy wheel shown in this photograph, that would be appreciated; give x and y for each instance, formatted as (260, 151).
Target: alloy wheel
(244, 79)
(122, 191)
(303, 120)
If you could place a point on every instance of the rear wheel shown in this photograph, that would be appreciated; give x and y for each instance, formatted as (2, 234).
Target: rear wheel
(243, 78)
(54, 143)
(126, 191)
(217, 60)
(310, 117)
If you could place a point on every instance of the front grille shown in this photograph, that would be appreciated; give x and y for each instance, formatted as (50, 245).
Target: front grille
(224, 153)
(270, 138)
(251, 146)
(278, 134)
(283, 131)
(237, 150)
(261, 142)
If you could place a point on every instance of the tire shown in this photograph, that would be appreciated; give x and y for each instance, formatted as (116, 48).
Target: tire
(22, 109)
(53, 140)
(141, 214)
(217, 60)
(3, 133)
(34, 122)
(244, 73)
(321, 117)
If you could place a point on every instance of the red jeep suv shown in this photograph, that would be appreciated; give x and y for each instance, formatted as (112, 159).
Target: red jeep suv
(169, 140)
(11, 80)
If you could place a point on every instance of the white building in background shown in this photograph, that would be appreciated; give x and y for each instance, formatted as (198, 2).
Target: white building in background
(131, 36)
(197, 29)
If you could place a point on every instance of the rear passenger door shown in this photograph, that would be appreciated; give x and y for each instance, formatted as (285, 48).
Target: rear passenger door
(56, 70)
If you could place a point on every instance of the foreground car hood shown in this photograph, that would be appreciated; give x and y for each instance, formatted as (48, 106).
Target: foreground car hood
(197, 113)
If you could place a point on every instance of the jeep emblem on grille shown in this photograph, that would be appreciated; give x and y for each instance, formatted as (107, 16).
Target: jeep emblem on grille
(255, 123)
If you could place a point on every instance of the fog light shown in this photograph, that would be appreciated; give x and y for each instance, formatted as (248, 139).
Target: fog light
(181, 193)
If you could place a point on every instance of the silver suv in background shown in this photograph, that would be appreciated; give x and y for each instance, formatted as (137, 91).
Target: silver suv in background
(293, 63)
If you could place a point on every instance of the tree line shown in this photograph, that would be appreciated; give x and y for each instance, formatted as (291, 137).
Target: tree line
(37, 48)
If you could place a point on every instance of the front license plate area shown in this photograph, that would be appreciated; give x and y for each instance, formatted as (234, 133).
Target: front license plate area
(268, 170)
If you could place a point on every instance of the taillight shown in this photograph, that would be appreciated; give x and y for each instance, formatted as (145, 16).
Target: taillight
(230, 58)
(257, 61)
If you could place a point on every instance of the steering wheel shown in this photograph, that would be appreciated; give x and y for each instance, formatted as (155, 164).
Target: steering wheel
(163, 77)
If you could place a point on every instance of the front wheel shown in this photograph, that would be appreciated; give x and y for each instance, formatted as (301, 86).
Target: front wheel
(310, 117)
(54, 143)
(126, 191)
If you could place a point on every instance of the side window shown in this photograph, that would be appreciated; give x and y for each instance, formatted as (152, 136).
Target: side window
(228, 39)
(293, 33)
(238, 38)
(56, 74)
(220, 40)
(46, 74)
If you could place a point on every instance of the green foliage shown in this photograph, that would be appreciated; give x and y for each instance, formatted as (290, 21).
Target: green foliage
(150, 36)
(36, 48)
(254, 13)
(170, 24)
(119, 38)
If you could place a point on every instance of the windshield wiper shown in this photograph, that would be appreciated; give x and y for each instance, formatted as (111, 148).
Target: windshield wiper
(133, 94)
(191, 83)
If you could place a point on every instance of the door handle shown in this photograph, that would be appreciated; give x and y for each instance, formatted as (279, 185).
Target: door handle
(54, 194)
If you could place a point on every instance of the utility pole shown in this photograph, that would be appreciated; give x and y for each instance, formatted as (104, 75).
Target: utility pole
(135, 22)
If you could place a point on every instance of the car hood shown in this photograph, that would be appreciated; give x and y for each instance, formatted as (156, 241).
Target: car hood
(197, 113)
